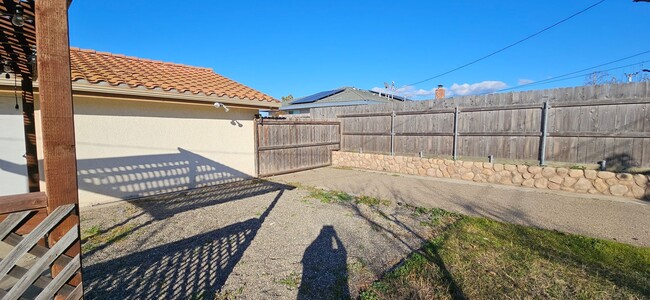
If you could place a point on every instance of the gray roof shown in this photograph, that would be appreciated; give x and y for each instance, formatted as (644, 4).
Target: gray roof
(344, 97)
(327, 104)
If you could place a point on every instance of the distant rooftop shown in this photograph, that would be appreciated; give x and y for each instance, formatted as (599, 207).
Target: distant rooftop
(341, 97)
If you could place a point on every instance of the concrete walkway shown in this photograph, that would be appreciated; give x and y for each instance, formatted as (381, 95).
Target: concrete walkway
(613, 218)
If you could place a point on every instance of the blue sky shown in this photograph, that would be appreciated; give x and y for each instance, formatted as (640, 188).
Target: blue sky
(303, 47)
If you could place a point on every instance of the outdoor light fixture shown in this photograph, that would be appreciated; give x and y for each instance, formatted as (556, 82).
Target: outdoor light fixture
(217, 105)
(18, 19)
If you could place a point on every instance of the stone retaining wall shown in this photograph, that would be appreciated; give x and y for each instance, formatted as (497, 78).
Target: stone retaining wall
(579, 181)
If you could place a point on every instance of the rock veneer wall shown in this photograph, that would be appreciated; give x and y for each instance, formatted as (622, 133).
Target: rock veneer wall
(580, 181)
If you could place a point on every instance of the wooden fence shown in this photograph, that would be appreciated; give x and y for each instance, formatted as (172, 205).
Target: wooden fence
(25, 261)
(284, 146)
(575, 125)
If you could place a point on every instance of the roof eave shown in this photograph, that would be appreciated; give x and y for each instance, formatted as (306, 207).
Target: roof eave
(85, 89)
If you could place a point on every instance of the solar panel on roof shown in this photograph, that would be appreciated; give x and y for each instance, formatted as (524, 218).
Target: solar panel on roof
(317, 96)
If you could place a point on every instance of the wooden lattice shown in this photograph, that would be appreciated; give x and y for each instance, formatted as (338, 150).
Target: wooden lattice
(25, 264)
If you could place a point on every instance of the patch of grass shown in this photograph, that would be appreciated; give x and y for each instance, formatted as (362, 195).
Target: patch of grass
(371, 201)
(576, 167)
(327, 196)
(479, 258)
(95, 237)
(330, 196)
(91, 232)
(291, 281)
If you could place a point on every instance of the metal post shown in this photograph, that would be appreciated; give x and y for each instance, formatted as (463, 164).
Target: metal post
(542, 148)
(455, 153)
(392, 134)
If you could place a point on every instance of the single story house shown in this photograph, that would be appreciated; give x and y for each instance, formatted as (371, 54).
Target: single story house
(143, 127)
(345, 96)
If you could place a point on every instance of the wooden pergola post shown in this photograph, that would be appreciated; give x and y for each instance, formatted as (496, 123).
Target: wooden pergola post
(57, 119)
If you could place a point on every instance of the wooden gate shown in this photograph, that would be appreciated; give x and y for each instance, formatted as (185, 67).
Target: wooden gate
(283, 146)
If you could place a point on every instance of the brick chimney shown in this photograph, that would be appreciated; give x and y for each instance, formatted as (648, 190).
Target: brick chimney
(440, 92)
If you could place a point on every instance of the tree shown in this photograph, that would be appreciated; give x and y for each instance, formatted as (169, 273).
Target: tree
(596, 78)
(287, 98)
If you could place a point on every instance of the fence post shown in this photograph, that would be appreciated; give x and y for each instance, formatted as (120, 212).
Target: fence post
(392, 133)
(542, 148)
(455, 151)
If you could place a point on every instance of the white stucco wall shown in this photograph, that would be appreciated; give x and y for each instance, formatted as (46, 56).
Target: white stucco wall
(13, 170)
(129, 149)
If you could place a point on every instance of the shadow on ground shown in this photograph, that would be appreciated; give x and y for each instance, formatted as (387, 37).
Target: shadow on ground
(194, 267)
(324, 268)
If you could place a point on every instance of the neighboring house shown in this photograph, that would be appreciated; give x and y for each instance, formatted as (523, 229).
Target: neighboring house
(345, 96)
(143, 127)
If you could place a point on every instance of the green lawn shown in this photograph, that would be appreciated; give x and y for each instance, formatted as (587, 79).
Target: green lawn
(477, 258)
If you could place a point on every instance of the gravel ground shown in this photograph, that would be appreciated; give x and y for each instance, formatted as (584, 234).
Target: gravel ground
(250, 240)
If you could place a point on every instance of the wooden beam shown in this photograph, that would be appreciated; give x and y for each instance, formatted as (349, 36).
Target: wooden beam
(57, 119)
(33, 179)
(280, 147)
(15, 203)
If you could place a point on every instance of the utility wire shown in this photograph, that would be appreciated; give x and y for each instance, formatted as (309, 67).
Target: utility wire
(511, 45)
(553, 79)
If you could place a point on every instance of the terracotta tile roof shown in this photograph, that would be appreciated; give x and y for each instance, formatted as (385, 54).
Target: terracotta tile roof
(114, 69)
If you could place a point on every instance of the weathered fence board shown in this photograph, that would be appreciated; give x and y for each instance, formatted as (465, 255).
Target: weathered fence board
(584, 124)
(285, 146)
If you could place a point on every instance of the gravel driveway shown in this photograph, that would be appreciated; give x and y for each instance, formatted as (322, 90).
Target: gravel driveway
(251, 240)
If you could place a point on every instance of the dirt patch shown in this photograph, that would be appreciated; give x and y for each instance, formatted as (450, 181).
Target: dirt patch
(248, 240)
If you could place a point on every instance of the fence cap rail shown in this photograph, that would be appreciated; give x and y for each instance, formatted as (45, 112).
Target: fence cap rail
(29, 201)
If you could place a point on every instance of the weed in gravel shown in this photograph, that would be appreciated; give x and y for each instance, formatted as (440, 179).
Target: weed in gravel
(371, 201)
(305, 200)
(326, 196)
(342, 168)
(356, 266)
(95, 237)
(91, 232)
(229, 294)
(330, 196)
(199, 296)
(291, 281)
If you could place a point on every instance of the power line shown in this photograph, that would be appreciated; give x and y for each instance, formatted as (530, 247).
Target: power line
(553, 79)
(511, 45)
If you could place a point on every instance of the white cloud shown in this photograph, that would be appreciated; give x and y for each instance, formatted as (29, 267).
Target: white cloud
(464, 89)
(455, 90)
(524, 81)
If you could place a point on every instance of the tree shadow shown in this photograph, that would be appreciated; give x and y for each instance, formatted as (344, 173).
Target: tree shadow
(324, 268)
(194, 267)
(455, 290)
(621, 162)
